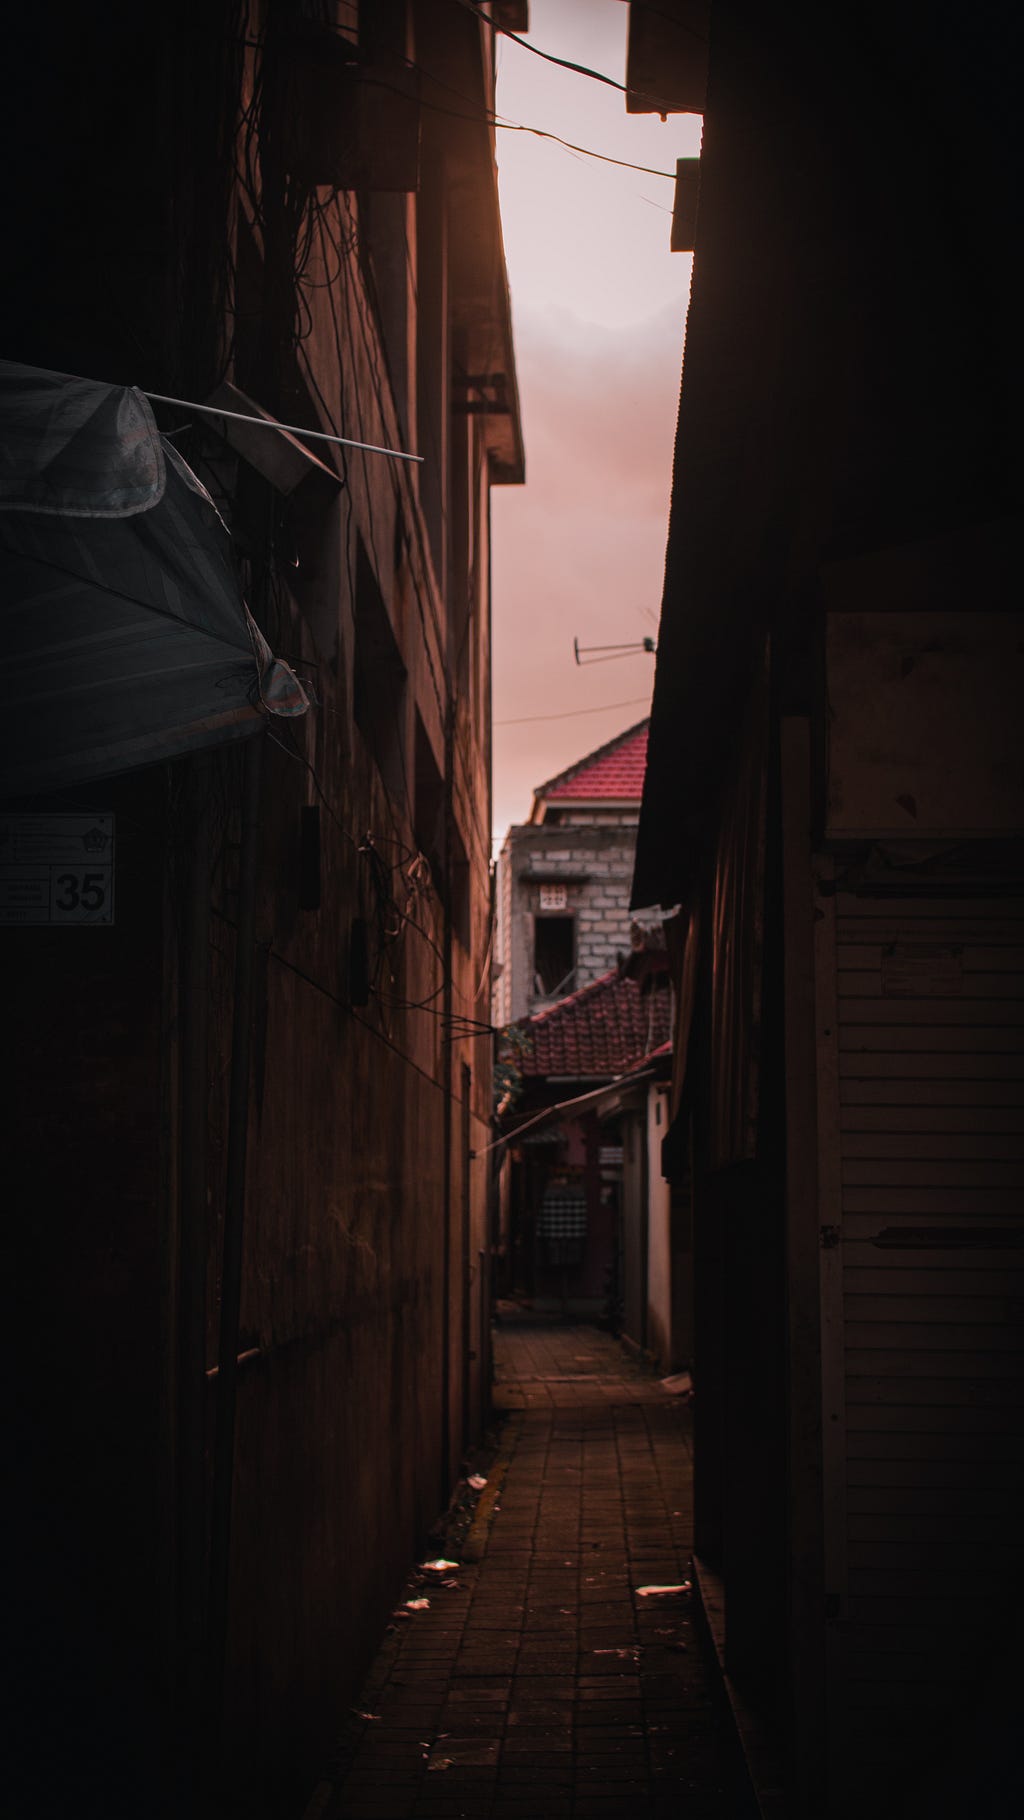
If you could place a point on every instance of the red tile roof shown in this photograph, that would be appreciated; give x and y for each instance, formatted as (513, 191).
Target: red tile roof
(605, 1028)
(614, 773)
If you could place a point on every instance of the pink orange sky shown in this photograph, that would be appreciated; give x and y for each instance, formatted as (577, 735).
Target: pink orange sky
(598, 305)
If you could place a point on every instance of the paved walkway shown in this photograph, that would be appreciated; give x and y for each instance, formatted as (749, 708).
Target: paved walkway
(541, 1682)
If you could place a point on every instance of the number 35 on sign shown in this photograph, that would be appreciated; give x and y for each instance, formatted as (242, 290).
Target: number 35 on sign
(57, 869)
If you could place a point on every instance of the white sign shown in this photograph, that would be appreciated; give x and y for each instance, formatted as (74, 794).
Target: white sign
(553, 897)
(57, 869)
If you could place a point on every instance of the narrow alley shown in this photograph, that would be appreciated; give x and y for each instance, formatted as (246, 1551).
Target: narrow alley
(542, 1679)
(512, 881)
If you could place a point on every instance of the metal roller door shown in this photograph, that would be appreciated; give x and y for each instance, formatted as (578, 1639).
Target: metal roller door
(921, 1150)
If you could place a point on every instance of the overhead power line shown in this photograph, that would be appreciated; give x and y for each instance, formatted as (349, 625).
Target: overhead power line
(584, 69)
(639, 701)
(624, 164)
(515, 126)
(578, 69)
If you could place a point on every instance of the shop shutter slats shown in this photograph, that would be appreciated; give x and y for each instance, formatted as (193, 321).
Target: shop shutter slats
(930, 1043)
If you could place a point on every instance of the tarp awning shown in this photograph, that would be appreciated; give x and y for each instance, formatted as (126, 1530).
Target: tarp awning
(125, 638)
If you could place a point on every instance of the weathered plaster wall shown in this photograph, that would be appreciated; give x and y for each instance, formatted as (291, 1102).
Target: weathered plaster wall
(362, 1285)
(364, 1216)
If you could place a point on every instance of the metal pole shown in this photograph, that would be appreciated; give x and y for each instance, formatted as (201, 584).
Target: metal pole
(467, 1271)
(485, 1335)
(289, 429)
(447, 1073)
(192, 1263)
(231, 1264)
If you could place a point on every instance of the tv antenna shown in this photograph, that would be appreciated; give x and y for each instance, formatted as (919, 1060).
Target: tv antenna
(606, 654)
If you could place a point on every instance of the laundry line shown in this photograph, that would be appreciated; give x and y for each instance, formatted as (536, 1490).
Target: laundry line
(269, 423)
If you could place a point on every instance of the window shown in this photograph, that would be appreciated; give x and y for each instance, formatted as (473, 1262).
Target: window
(428, 814)
(451, 883)
(553, 897)
(554, 955)
(378, 689)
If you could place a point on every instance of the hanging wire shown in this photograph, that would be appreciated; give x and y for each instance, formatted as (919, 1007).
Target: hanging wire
(524, 720)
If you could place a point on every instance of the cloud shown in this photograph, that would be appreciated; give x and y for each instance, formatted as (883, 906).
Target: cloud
(599, 306)
(599, 408)
(579, 551)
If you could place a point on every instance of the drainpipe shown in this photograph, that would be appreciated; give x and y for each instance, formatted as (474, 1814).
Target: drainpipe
(195, 1025)
(447, 1064)
(466, 1080)
(231, 1263)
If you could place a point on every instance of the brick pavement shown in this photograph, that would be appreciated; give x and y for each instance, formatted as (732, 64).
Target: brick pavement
(542, 1684)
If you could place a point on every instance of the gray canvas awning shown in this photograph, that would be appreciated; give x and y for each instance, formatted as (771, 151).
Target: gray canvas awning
(126, 640)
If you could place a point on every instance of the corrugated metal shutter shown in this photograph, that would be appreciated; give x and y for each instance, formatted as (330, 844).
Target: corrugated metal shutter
(929, 1078)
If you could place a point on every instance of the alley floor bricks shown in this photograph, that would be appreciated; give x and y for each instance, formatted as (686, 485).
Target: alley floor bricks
(543, 1683)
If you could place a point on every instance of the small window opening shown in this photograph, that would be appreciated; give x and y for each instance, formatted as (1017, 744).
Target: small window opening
(554, 955)
(378, 689)
(450, 882)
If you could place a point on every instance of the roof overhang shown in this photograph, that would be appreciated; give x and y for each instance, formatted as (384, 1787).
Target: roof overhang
(667, 57)
(457, 55)
(615, 1096)
(541, 804)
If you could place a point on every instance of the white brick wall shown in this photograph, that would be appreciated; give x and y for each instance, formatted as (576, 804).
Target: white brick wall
(595, 861)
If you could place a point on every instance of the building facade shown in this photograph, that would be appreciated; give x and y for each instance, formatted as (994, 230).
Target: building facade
(564, 878)
(584, 1204)
(253, 1323)
(834, 796)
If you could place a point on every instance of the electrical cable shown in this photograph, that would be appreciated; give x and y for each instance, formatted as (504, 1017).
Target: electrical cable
(578, 69)
(291, 221)
(487, 118)
(343, 1005)
(378, 388)
(368, 848)
(524, 720)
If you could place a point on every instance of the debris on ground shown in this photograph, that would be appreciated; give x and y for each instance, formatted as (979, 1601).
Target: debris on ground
(663, 1592)
(437, 1568)
(679, 1385)
(447, 1535)
(417, 1604)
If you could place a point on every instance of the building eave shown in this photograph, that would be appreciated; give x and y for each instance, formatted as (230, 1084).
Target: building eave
(460, 55)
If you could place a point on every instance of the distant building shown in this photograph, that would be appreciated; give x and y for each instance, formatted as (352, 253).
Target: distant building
(564, 879)
(586, 1215)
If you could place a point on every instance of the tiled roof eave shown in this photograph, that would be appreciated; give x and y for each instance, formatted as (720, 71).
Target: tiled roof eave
(602, 755)
(592, 802)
